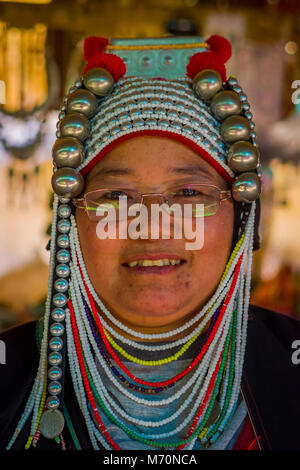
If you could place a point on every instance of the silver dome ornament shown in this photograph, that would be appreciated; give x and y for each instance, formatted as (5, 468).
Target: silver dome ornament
(54, 388)
(151, 122)
(163, 122)
(246, 187)
(61, 285)
(67, 182)
(75, 125)
(58, 314)
(59, 300)
(225, 103)
(207, 83)
(64, 211)
(187, 129)
(99, 81)
(60, 116)
(62, 270)
(78, 83)
(57, 329)
(54, 373)
(138, 122)
(82, 101)
(52, 403)
(242, 156)
(125, 126)
(63, 256)
(63, 226)
(55, 344)
(55, 358)
(237, 89)
(232, 81)
(63, 241)
(235, 128)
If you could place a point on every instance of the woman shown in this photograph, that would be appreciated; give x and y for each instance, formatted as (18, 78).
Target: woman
(146, 342)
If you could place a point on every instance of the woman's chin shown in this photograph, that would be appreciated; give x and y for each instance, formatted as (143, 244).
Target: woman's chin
(153, 312)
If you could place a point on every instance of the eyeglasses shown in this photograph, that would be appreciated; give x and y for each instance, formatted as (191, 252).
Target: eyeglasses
(209, 196)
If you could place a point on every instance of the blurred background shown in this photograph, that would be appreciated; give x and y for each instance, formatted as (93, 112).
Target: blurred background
(40, 58)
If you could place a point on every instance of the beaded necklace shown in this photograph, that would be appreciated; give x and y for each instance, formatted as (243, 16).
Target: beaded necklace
(208, 392)
(215, 371)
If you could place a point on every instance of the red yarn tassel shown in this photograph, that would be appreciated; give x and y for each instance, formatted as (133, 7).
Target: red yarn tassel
(220, 46)
(95, 56)
(205, 60)
(220, 52)
(93, 45)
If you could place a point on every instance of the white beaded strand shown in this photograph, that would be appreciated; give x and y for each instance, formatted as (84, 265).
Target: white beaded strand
(34, 399)
(133, 332)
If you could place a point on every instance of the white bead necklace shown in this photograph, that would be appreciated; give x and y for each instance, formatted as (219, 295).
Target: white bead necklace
(137, 334)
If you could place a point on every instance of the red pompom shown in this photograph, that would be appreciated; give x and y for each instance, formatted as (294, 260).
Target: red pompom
(220, 52)
(205, 60)
(220, 46)
(93, 45)
(111, 62)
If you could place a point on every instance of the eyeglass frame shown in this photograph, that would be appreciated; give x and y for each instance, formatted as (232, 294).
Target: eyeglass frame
(227, 193)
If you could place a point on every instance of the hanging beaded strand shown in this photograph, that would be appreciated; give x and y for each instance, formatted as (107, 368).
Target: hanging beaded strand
(52, 420)
(86, 349)
(33, 403)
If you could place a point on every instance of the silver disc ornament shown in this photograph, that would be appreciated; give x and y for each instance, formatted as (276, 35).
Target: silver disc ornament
(243, 156)
(225, 103)
(207, 83)
(75, 125)
(67, 182)
(99, 81)
(246, 187)
(52, 423)
(82, 101)
(235, 128)
(68, 151)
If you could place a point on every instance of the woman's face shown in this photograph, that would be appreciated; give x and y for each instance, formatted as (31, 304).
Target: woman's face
(158, 299)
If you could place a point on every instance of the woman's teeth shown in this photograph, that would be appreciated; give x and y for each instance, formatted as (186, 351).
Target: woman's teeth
(154, 262)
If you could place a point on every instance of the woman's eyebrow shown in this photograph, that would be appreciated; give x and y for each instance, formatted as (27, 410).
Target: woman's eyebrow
(113, 172)
(191, 169)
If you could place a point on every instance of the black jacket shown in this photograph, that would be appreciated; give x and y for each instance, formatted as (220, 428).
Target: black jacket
(270, 385)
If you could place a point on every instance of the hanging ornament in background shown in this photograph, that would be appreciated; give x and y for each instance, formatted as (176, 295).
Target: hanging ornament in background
(20, 137)
(282, 140)
(27, 128)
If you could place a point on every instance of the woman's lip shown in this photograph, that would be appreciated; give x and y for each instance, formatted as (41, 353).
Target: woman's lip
(153, 256)
(154, 269)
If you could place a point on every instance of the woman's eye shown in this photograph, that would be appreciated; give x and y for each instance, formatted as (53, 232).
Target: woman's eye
(188, 192)
(115, 195)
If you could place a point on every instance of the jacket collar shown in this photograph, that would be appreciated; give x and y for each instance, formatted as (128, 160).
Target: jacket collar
(271, 387)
